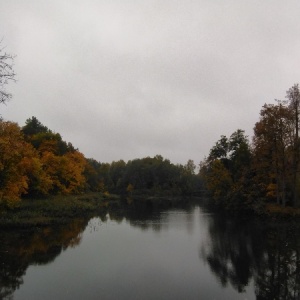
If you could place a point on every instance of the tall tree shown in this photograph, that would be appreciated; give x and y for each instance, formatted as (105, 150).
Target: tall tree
(271, 142)
(293, 96)
(239, 153)
(225, 171)
(220, 150)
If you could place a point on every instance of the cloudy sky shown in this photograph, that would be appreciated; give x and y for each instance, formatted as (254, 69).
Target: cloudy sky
(125, 79)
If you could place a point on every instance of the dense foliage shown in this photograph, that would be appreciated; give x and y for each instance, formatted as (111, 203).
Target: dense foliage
(243, 176)
(36, 161)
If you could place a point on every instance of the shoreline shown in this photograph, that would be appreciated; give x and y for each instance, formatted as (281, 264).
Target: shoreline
(54, 210)
(58, 210)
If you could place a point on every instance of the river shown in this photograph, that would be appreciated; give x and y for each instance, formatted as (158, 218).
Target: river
(178, 253)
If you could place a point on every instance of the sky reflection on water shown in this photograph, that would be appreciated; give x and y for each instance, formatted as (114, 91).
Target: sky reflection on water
(176, 254)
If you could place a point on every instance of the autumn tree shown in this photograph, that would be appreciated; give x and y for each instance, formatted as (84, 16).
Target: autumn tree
(24, 169)
(266, 171)
(63, 165)
(71, 172)
(272, 143)
(276, 149)
(293, 97)
(14, 155)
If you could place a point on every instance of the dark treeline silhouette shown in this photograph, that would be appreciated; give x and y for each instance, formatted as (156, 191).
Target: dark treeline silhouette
(243, 176)
(154, 175)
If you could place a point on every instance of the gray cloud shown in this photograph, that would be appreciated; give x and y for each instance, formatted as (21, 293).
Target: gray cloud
(128, 79)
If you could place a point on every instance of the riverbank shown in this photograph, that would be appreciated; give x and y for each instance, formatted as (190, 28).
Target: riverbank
(60, 209)
(54, 210)
(277, 211)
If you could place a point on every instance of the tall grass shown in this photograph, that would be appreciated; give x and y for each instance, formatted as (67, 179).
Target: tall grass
(53, 210)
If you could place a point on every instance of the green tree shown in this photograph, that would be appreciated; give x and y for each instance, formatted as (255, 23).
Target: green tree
(116, 173)
(190, 167)
(240, 154)
(34, 126)
(43, 139)
(97, 176)
(225, 172)
(220, 150)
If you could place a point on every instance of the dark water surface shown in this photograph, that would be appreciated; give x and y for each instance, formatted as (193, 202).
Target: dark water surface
(186, 253)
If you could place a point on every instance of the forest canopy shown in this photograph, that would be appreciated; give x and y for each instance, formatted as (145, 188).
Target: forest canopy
(239, 175)
(35, 161)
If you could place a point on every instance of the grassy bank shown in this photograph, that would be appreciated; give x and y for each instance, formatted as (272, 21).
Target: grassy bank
(278, 211)
(54, 210)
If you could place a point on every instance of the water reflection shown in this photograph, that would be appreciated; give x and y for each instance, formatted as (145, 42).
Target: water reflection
(279, 276)
(154, 216)
(233, 251)
(239, 251)
(20, 249)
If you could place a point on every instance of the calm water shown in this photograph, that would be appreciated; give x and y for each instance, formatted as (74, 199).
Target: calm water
(176, 254)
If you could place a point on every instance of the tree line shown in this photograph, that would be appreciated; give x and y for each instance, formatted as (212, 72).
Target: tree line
(242, 175)
(35, 161)
(237, 174)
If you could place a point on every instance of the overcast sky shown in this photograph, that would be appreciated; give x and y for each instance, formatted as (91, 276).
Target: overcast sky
(125, 79)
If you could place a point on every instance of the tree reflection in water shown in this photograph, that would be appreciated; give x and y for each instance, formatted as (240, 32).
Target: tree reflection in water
(20, 249)
(239, 251)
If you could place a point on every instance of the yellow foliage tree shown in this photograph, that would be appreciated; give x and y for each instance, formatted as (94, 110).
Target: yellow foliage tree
(14, 154)
(23, 168)
(72, 168)
(65, 172)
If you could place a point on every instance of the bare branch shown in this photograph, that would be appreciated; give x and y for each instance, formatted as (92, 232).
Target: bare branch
(7, 74)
